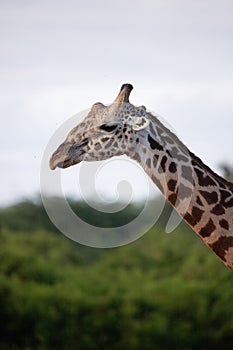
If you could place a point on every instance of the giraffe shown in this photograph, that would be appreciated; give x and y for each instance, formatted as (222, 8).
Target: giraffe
(200, 196)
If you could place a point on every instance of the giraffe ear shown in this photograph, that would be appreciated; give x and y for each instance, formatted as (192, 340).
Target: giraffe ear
(139, 123)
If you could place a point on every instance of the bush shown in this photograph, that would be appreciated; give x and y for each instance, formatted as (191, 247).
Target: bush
(163, 291)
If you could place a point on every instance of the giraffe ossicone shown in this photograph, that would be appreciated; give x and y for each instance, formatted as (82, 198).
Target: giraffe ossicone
(200, 196)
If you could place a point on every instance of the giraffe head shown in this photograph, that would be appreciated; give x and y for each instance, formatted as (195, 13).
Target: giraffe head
(105, 132)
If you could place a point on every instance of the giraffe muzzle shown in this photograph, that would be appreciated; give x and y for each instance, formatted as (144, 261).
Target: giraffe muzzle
(67, 154)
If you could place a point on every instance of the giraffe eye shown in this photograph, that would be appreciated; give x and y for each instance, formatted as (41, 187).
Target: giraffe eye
(108, 128)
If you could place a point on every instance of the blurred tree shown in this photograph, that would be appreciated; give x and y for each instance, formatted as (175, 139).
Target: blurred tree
(227, 170)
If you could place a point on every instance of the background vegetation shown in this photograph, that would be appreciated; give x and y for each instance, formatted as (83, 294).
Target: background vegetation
(164, 291)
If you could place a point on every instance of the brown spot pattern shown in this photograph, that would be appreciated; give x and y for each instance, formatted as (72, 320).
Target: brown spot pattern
(226, 202)
(224, 224)
(198, 200)
(197, 213)
(204, 179)
(171, 185)
(173, 167)
(162, 167)
(173, 198)
(218, 210)
(194, 217)
(210, 197)
(207, 229)
(154, 144)
(222, 245)
(188, 217)
(224, 195)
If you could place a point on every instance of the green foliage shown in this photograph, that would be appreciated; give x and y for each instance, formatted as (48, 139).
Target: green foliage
(164, 291)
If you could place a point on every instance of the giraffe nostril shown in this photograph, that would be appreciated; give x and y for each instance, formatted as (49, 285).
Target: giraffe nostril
(84, 142)
(81, 144)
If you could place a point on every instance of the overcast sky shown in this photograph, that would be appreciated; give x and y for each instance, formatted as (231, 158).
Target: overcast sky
(59, 57)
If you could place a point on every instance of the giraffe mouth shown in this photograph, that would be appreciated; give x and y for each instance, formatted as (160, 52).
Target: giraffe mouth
(67, 154)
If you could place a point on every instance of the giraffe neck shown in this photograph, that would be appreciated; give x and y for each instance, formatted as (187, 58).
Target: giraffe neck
(201, 197)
